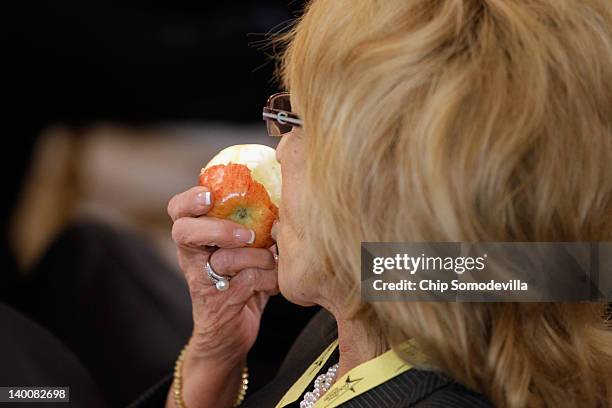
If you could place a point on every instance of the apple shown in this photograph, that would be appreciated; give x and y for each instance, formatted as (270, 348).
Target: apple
(245, 183)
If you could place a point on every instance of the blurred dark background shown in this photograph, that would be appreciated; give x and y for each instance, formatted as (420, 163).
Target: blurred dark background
(112, 108)
(78, 63)
(84, 61)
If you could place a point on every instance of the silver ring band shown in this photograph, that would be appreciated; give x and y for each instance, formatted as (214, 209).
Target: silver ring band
(221, 282)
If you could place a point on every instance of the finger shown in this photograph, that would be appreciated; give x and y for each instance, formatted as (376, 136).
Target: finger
(274, 251)
(231, 261)
(192, 203)
(203, 231)
(250, 281)
(187, 257)
(192, 263)
(258, 301)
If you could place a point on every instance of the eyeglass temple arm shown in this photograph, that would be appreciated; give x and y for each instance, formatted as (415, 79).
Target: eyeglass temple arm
(282, 117)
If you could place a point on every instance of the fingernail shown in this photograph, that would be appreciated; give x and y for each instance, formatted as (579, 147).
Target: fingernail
(244, 235)
(203, 198)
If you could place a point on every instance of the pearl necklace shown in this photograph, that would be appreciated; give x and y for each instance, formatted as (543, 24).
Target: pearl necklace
(322, 384)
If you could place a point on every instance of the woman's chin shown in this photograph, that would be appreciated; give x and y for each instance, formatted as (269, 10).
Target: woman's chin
(293, 294)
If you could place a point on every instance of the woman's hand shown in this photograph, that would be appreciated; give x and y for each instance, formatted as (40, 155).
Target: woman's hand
(225, 323)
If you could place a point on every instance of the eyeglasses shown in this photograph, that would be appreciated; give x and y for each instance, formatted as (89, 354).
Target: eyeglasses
(278, 116)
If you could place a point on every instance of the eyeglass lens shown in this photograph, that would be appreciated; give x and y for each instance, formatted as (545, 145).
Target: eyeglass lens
(279, 102)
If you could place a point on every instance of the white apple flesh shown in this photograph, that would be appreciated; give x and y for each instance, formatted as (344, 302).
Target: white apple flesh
(260, 159)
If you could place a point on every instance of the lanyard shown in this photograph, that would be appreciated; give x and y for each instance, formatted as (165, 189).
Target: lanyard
(300, 385)
(360, 379)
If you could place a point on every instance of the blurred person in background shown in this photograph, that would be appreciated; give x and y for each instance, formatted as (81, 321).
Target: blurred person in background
(457, 120)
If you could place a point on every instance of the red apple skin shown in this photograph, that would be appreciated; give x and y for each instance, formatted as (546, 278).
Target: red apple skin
(236, 196)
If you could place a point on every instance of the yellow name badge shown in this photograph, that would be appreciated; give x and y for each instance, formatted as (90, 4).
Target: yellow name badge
(360, 379)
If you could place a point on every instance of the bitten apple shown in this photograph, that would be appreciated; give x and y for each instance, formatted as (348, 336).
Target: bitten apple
(245, 182)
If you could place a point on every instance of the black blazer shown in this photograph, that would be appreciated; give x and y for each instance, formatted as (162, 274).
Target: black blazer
(413, 388)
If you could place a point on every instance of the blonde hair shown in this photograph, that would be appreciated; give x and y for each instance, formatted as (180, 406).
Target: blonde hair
(463, 120)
